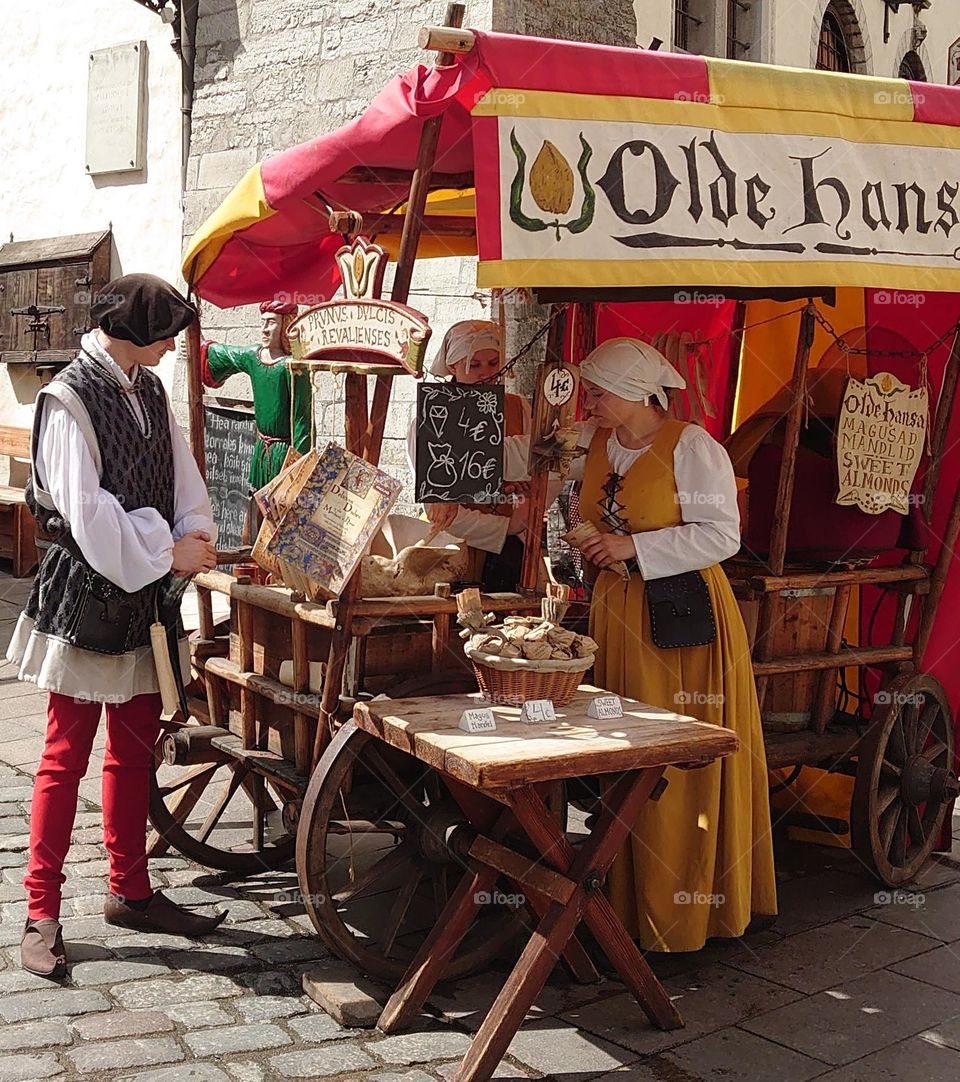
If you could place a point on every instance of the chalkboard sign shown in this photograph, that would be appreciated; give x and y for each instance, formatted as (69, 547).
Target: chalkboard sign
(229, 436)
(459, 443)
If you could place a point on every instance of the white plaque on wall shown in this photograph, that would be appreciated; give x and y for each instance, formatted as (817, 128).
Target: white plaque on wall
(116, 113)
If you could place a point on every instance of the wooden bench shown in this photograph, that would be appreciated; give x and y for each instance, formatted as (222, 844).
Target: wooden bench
(17, 525)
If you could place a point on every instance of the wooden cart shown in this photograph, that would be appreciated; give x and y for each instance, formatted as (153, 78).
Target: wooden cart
(260, 774)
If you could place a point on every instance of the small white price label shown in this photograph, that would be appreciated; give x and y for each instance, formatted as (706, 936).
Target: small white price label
(605, 706)
(538, 710)
(480, 720)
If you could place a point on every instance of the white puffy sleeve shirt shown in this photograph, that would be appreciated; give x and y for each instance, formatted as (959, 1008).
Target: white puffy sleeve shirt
(707, 493)
(130, 548)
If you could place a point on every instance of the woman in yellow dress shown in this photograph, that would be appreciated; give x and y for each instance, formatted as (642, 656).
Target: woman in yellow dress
(699, 863)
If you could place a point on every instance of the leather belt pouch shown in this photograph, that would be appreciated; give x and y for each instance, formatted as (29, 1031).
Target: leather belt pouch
(681, 612)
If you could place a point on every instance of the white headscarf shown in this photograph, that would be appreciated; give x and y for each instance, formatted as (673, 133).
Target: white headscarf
(463, 341)
(632, 370)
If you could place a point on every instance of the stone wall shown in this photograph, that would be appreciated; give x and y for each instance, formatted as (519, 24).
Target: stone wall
(273, 73)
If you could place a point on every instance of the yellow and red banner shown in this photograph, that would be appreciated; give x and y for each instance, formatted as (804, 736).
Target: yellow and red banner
(719, 174)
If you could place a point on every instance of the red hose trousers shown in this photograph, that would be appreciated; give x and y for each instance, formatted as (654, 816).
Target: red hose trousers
(132, 731)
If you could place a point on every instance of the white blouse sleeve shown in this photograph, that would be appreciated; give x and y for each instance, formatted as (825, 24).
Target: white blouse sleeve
(707, 491)
(130, 548)
(191, 501)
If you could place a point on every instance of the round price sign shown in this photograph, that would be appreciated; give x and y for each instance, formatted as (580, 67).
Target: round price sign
(558, 387)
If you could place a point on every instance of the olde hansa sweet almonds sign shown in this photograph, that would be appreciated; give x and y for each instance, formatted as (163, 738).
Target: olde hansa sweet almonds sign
(880, 440)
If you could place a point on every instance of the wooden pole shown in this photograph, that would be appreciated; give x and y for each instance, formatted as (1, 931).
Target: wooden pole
(938, 580)
(409, 241)
(443, 39)
(788, 462)
(195, 395)
(938, 440)
(355, 425)
(776, 557)
(537, 500)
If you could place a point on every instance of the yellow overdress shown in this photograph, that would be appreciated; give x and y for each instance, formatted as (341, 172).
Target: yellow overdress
(699, 862)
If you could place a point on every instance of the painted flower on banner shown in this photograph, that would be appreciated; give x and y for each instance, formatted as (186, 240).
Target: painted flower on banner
(552, 185)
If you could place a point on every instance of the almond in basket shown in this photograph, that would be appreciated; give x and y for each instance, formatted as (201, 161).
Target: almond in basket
(537, 649)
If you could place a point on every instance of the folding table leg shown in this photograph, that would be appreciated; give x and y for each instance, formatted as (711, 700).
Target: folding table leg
(438, 948)
(518, 994)
(623, 805)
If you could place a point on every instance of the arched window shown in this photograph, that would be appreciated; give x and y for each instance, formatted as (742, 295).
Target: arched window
(832, 54)
(911, 67)
(841, 45)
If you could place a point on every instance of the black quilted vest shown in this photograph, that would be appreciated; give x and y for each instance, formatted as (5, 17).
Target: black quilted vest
(137, 469)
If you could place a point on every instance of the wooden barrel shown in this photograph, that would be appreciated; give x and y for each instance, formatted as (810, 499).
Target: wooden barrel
(800, 625)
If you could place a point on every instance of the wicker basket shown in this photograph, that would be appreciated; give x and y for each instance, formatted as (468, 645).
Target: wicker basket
(512, 681)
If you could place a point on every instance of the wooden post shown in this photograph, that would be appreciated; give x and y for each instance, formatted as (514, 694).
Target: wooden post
(776, 558)
(948, 391)
(733, 376)
(195, 397)
(409, 241)
(822, 711)
(302, 744)
(444, 40)
(441, 630)
(938, 581)
(194, 382)
(537, 500)
(798, 404)
(205, 612)
(355, 428)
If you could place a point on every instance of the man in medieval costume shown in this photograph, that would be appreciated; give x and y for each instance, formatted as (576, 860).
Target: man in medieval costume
(114, 484)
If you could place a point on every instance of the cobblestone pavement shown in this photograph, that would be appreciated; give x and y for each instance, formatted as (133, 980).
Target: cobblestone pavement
(853, 984)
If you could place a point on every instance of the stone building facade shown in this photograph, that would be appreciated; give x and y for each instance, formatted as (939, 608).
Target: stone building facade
(271, 74)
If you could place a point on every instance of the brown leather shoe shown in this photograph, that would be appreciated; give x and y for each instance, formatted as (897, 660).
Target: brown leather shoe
(161, 915)
(41, 949)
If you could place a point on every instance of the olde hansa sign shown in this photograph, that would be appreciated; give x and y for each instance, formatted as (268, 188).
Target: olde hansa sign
(881, 435)
(714, 189)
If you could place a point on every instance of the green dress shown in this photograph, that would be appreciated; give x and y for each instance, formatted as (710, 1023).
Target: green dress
(271, 405)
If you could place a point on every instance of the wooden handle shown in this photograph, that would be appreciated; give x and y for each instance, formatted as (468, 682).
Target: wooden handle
(446, 39)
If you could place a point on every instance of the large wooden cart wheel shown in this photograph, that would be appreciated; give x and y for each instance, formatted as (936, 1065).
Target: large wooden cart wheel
(207, 810)
(905, 778)
(372, 856)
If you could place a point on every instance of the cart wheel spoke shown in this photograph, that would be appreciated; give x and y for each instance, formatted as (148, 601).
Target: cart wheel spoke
(890, 772)
(886, 797)
(915, 826)
(441, 894)
(909, 726)
(929, 714)
(380, 874)
(220, 805)
(897, 745)
(189, 795)
(888, 823)
(373, 760)
(934, 752)
(398, 911)
(898, 850)
(206, 770)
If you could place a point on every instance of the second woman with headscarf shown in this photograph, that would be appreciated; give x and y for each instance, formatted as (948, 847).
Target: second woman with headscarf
(472, 353)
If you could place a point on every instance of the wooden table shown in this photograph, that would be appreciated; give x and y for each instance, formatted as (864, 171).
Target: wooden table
(494, 778)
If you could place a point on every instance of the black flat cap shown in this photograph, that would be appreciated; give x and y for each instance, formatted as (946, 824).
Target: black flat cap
(142, 309)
